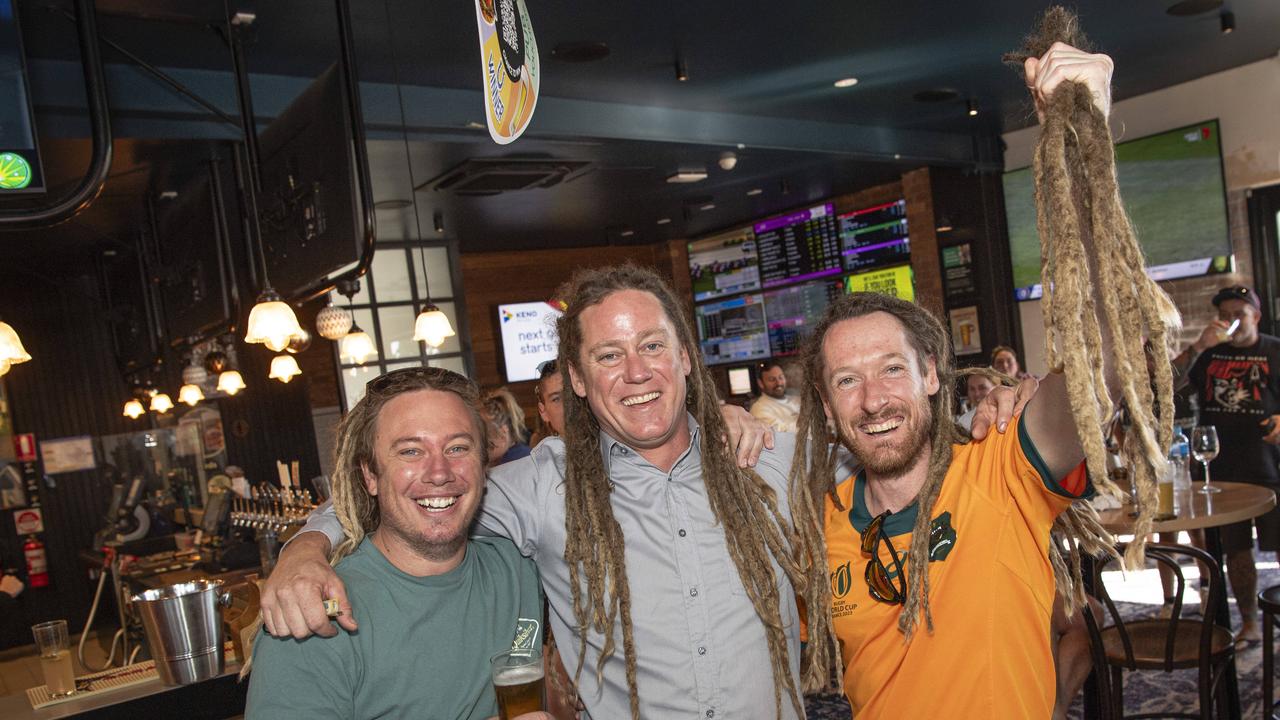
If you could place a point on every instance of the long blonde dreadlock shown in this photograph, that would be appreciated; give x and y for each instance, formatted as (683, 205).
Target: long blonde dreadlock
(756, 533)
(1090, 253)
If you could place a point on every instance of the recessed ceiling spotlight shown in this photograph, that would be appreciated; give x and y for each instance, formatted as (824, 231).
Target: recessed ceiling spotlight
(754, 191)
(936, 95)
(682, 69)
(728, 161)
(846, 82)
(1187, 8)
(973, 109)
(395, 204)
(687, 176)
(664, 221)
(437, 222)
(1227, 20)
(580, 52)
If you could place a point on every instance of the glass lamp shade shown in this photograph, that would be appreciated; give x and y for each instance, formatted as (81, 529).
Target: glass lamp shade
(284, 368)
(230, 382)
(333, 323)
(272, 322)
(10, 346)
(357, 346)
(160, 403)
(133, 409)
(190, 394)
(432, 327)
(4, 367)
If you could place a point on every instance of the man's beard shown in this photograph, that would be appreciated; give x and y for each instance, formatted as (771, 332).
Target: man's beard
(432, 550)
(895, 460)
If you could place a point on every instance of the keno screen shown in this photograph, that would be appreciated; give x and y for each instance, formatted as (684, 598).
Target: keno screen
(528, 338)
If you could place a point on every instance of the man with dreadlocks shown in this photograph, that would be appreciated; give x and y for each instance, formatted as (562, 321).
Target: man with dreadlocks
(408, 481)
(938, 548)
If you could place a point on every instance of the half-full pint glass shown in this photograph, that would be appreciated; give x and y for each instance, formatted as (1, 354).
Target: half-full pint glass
(55, 657)
(518, 682)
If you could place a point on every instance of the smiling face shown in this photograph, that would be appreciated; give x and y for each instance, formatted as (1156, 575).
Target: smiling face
(773, 382)
(550, 409)
(631, 370)
(428, 478)
(876, 390)
(1007, 363)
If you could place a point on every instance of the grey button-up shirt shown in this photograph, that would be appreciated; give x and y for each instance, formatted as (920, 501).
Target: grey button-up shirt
(700, 647)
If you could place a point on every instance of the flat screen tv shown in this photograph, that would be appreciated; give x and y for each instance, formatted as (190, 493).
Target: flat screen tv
(875, 236)
(723, 265)
(193, 280)
(734, 330)
(792, 312)
(528, 332)
(801, 245)
(740, 381)
(309, 210)
(20, 170)
(1173, 189)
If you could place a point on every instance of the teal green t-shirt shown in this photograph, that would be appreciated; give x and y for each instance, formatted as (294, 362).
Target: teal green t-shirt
(423, 646)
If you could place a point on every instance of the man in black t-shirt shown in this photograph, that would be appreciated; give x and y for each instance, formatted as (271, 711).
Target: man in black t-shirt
(1237, 379)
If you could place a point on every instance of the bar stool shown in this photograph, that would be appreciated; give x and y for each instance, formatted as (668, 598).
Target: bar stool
(1269, 601)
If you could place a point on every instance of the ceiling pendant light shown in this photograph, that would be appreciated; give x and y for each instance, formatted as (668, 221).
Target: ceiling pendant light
(272, 322)
(432, 325)
(190, 394)
(333, 322)
(11, 346)
(160, 403)
(356, 347)
(230, 382)
(4, 367)
(133, 409)
(284, 368)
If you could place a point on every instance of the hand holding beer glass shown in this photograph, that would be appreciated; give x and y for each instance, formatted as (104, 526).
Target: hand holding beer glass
(55, 657)
(518, 682)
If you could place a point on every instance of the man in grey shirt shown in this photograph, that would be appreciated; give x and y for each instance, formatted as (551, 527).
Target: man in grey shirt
(698, 617)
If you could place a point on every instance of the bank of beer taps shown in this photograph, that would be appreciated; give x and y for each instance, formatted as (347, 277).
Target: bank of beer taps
(271, 509)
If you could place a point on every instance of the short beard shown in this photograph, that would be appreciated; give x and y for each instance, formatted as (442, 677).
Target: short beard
(426, 549)
(893, 466)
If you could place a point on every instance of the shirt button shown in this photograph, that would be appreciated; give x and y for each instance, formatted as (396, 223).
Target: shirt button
(682, 533)
(693, 592)
(702, 651)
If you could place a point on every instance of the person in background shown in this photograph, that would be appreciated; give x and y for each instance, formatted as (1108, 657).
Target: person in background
(507, 431)
(775, 407)
(410, 470)
(1237, 378)
(976, 388)
(1004, 359)
(550, 406)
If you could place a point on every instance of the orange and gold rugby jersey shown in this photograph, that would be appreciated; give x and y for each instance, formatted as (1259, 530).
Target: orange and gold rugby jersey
(991, 591)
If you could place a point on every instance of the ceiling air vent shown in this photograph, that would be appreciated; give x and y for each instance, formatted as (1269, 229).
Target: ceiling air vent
(500, 175)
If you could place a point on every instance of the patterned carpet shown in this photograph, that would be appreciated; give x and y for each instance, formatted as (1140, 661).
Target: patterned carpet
(1148, 692)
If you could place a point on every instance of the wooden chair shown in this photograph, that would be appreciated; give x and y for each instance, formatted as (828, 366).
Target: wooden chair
(1160, 644)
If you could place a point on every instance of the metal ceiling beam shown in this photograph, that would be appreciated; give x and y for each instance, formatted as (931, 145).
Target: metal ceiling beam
(143, 108)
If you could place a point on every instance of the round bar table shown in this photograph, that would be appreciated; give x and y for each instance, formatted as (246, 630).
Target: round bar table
(1199, 511)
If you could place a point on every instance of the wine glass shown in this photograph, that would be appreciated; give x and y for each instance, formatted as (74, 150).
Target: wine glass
(1204, 447)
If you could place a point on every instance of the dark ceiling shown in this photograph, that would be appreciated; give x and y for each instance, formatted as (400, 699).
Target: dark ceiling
(754, 61)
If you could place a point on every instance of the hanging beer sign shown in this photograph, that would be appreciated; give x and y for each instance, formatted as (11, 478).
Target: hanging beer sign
(509, 65)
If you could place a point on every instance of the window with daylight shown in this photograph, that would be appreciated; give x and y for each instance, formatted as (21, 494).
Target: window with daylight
(390, 297)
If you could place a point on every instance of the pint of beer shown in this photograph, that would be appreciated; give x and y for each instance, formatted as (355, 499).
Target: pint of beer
(518, 682)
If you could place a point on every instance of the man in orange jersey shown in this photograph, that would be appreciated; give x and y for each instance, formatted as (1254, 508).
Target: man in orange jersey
(969, 637)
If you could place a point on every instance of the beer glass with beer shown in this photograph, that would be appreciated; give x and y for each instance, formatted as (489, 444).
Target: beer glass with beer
(518, 682)
(55, 657)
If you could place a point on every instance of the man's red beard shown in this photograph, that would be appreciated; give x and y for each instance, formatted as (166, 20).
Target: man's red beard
(896, 458)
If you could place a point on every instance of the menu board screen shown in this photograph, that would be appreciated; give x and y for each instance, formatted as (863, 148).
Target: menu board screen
(896, 281)
(733, 330)
(723, 265)
(875, 236)
(799, 246)
(792, 312)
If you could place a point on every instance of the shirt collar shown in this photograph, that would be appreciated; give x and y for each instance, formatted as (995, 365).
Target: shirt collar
(608, 443)
(860, 517)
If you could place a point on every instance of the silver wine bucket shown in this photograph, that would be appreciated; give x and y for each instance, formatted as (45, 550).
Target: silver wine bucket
(183, 623)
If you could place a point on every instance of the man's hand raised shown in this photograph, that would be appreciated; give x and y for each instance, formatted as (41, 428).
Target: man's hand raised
(1000, 405)
(293, 596)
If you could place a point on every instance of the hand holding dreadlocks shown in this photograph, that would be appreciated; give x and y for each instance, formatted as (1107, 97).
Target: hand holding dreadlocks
(1065, 63)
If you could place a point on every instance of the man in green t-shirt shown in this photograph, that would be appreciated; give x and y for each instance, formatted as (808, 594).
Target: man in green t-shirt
(435, 606)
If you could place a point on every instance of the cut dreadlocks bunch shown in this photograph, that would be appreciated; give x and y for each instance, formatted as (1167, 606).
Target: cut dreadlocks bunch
(1092, 269)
